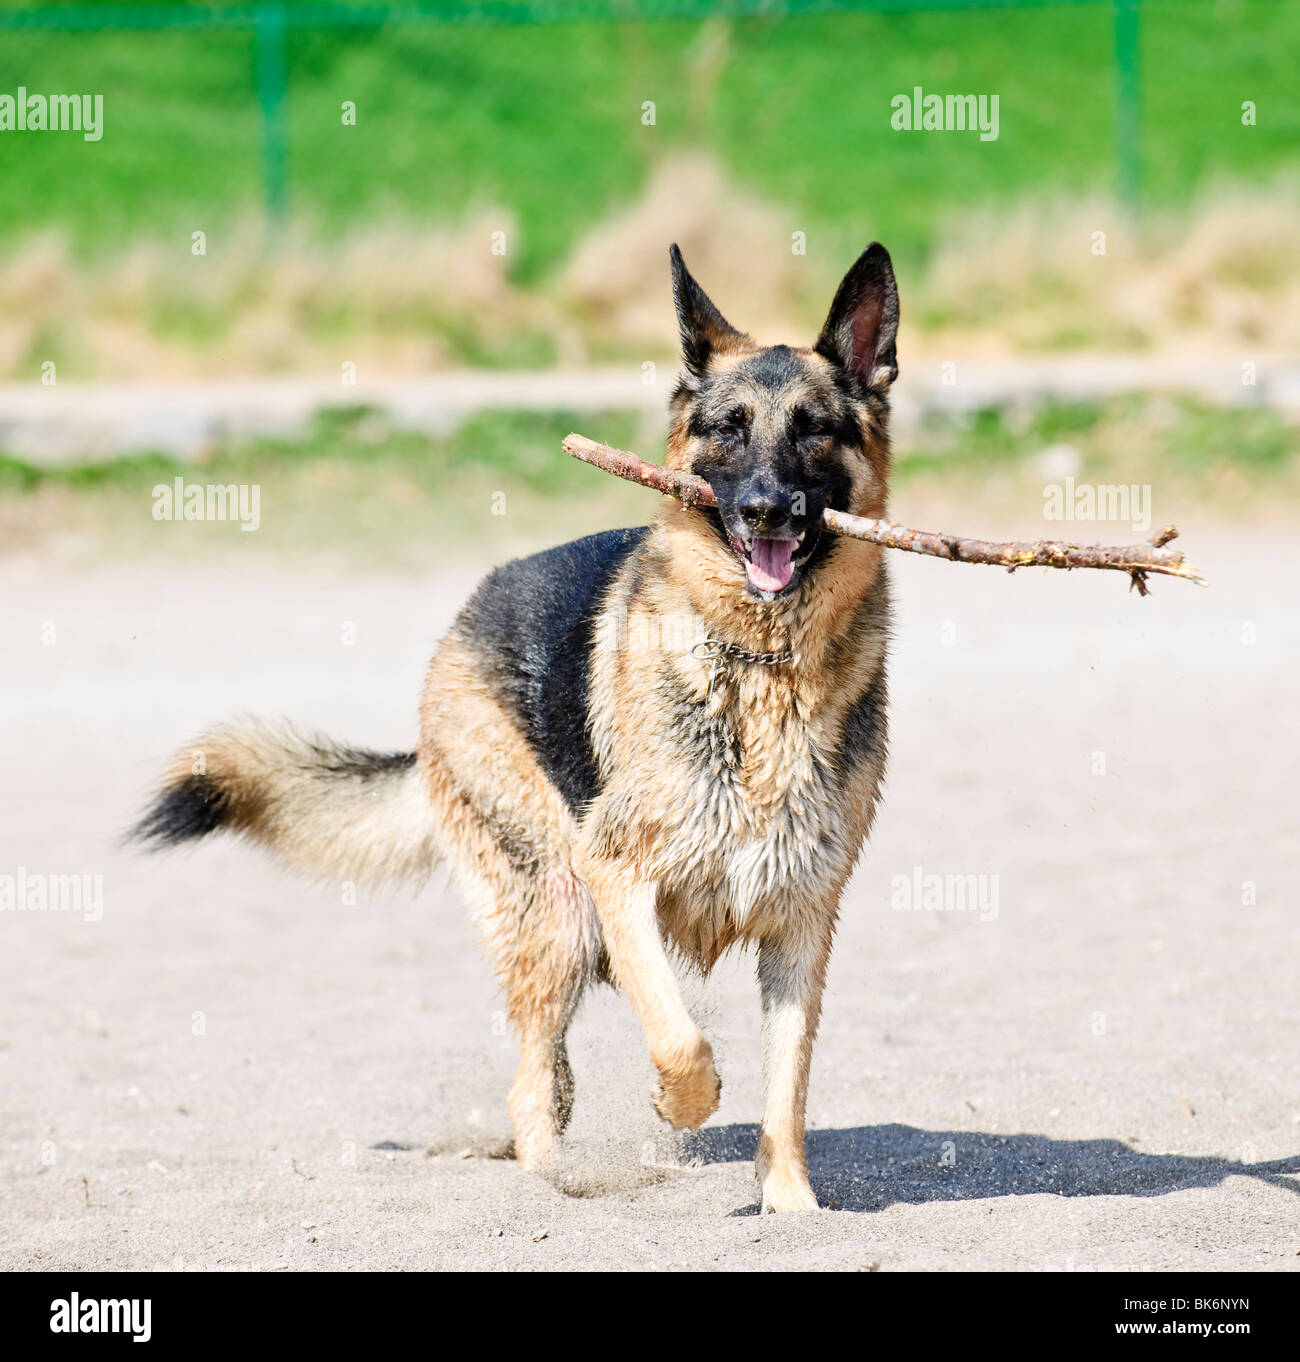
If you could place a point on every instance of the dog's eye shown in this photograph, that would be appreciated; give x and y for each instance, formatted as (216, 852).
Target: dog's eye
(805, 426)
(728, 431)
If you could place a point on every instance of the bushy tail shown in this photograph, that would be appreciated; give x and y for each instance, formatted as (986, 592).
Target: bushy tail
(328, 811)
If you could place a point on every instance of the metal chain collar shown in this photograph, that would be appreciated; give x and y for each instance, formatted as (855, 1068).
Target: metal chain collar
(714, 650)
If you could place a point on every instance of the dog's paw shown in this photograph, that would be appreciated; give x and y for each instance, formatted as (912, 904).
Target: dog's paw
(689, 1087)
(534, 1150)
(786, 1190)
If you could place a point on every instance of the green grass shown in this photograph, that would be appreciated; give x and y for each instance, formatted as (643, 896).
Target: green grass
(545, 121)
(1133, 438)
(352, 486)
(517, 451)
(356, 490)
(511, 450)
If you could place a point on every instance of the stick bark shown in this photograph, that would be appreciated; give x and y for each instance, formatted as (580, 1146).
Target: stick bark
(1136, 559)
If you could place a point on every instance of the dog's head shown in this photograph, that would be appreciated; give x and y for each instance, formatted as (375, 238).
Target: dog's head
(780, 433)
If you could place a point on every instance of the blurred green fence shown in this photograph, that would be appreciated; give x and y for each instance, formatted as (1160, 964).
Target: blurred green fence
(270, 20)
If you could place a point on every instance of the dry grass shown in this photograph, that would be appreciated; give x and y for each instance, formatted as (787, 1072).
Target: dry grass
(391, 297)
(736, 244)
(1223, 278)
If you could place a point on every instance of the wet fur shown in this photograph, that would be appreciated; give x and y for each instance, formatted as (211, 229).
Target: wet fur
(599, 805)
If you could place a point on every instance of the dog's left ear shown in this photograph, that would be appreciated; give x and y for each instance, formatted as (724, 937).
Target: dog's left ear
(862, 327)
(704, 329)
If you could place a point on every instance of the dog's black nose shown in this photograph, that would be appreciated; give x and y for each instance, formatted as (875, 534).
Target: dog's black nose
(764, 510)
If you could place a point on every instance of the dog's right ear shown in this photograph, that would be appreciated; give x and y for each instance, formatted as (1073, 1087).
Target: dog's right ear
(704, 329)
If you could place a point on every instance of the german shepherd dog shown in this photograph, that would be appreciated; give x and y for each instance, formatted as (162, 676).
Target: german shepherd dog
(650, 742)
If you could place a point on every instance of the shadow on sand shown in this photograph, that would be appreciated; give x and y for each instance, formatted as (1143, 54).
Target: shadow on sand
(866, 1168)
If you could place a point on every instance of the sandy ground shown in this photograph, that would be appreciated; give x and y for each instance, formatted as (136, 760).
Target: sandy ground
(1099, 1070)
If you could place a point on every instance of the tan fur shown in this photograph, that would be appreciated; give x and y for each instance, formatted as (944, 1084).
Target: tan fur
(327, 827)
(740, 854)
(727, 812)
(705, 858)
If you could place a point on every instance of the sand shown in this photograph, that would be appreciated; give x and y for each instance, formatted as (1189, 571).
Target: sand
(1099, 1069)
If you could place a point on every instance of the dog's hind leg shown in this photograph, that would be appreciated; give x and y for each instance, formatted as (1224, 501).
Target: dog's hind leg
(541, 1098)
(509, 836)
(546, 966)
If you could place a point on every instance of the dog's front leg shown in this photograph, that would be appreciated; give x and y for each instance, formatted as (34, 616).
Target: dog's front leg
(626, 905)
(791, 974)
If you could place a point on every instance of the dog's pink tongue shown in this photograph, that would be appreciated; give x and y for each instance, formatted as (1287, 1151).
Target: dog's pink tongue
(771, 563)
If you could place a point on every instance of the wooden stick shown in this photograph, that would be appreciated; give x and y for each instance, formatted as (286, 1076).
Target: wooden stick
(1135, 559)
